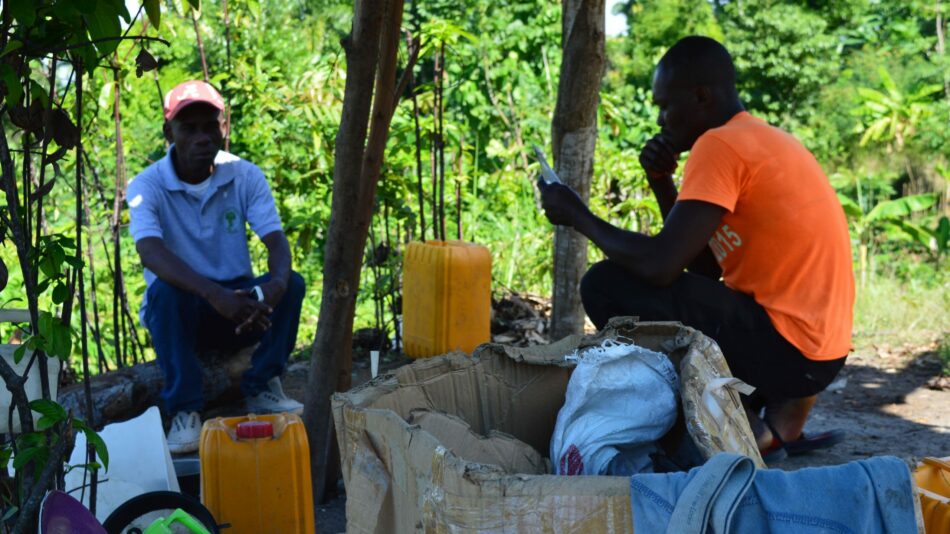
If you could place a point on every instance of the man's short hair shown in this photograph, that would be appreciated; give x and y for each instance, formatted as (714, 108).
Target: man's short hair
(699, 60)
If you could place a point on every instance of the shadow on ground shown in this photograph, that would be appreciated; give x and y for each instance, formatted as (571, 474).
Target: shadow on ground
(886, 408)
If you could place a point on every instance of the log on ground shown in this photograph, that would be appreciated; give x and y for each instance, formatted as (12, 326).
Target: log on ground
(127, 392)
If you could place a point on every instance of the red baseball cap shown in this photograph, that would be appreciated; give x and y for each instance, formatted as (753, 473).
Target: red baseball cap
(191, 92)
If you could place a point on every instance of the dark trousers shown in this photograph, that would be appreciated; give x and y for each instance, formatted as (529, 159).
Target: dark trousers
(183, 324)
(755, 351)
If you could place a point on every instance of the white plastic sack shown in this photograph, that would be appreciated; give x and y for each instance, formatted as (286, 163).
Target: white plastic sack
(620, 400)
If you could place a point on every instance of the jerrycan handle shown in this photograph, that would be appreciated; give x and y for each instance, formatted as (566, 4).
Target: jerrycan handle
(254, 430)
(181, 517)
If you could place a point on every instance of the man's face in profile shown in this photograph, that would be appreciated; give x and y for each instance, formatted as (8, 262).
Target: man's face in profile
(681, 114)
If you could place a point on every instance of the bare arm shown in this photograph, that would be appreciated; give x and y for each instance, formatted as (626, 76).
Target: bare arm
(659, 162)
(171, 269)
(658, 259)
(234, 305)
(278, 264)
(704, 263)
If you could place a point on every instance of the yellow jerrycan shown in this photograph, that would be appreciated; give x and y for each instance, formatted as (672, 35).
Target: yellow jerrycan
(446, 297)
(255, 474)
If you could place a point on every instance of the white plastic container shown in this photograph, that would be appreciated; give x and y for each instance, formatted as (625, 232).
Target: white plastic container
(33, 384)
(139, 462)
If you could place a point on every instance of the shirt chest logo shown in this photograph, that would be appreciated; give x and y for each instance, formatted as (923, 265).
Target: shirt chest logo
(230, 220)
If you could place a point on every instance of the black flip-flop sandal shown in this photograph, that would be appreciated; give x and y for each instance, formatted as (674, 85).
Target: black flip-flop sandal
(813, 442)
(806, 444)
(774, 452)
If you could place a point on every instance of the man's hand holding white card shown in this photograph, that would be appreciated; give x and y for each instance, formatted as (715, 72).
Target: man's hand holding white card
(561, 204)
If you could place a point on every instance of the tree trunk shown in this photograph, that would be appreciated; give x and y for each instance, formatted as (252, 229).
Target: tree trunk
(941, 45)
(574, 136)
(371, 51)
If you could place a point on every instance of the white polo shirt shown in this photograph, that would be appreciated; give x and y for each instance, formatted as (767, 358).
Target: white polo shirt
(207, 231)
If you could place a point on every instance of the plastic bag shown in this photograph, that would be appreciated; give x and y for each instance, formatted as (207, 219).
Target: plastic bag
(620, 400)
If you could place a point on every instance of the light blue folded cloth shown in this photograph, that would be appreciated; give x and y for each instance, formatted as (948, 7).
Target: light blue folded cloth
(728, 495)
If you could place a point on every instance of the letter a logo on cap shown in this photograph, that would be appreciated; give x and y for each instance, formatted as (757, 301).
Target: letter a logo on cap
(191, 92)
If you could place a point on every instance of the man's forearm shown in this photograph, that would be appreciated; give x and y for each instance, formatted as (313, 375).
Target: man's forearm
(664, 190)
(634, 251)
(665, 193)
(278, 257)
(171, 269)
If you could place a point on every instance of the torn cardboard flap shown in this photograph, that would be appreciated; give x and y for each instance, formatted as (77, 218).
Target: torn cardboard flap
(495, 449)
(435, 446)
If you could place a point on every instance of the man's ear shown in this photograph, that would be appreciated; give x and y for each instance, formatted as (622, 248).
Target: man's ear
(167, 130)
(703, 95)
(223, 124)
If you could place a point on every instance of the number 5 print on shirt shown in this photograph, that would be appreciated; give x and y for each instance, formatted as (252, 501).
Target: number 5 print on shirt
(723, 242)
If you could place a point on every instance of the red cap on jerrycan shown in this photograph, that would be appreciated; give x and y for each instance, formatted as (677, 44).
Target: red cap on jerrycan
(255, 429)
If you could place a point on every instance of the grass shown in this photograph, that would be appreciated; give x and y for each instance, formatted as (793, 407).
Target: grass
(896, 311)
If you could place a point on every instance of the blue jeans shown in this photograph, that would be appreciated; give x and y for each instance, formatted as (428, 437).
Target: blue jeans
(183, 324)
(728, 495)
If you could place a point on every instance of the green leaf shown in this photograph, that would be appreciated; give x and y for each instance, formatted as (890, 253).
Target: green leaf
(91, 466)
(942, 234)
(196, 4)
(888, 83)
(39, 94)
(916, 233)
(60, 293)
(25, 455)
(24, 11)
(44, 285)
(103, 24)
(49, 267)
(45, 423)
(119, 7)
(62, 342)
(19, 353)
(86, 7)
(154, 11)
(10, 512)
(11, 46)
(101, 450)
(49, 408)
(57, 337)
(31, 439)
(851, 208)
(901, 207)
(58, 255)
(12, 84)
(5, 453)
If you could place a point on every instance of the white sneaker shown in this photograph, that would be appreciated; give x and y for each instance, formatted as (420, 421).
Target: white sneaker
(185, 433)
(273, 400)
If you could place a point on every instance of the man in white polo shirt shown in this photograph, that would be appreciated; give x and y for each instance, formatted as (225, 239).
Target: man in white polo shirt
(189, 213)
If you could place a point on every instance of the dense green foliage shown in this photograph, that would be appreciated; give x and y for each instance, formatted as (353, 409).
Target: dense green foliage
(861, 82)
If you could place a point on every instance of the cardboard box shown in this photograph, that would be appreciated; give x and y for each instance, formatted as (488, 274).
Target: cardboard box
(495, 412)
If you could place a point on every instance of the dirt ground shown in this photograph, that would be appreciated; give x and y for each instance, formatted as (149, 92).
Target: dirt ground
(885, 406)
(881, 399)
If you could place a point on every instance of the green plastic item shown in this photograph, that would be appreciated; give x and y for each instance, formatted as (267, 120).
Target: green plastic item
(163, 525)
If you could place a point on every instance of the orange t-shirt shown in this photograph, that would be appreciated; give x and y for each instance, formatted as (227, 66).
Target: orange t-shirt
(784, 240)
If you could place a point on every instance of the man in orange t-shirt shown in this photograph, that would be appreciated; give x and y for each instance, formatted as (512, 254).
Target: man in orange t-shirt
(756, 210)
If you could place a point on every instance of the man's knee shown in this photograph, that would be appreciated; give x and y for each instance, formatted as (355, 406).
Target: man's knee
(162, 295)
(601, 275)
(296, 287)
